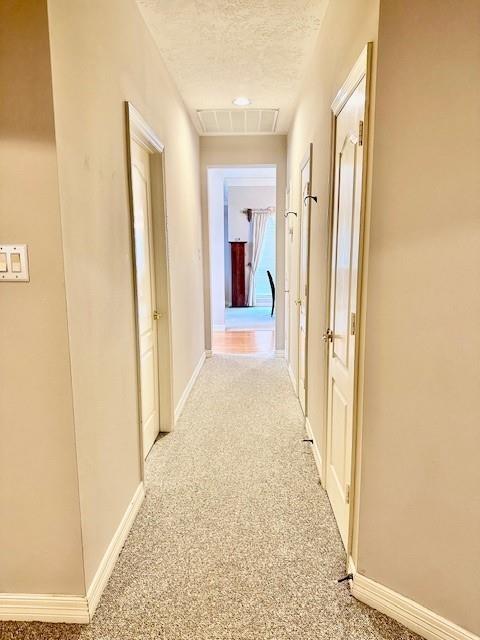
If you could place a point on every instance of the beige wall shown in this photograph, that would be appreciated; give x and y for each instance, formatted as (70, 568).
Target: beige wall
(346, 29)
(239, 199)
(217, 151)
(419, 511)
(420, 508)
(40, 541)
(102, 55)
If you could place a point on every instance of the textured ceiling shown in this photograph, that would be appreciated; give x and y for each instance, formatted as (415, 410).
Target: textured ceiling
(216, 50)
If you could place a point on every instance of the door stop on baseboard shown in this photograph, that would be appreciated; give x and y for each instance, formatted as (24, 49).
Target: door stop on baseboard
(308, 440)
(349, 576)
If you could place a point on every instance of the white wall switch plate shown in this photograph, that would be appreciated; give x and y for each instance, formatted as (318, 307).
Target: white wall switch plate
(14, 263)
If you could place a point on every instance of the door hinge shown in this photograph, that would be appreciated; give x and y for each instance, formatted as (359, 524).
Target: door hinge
(360, 133)
(328, 336)
(353, 323)
(347, 494)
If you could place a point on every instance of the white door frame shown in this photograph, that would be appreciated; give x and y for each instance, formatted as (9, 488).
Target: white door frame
(361, 69)
(307, 159)
(208, 272)
(137, 129)
(287, 259)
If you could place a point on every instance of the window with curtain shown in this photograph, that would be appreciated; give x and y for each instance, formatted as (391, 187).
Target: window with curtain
(263, 294)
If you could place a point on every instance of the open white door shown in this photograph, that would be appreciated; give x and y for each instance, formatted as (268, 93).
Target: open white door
(349, 113)
(146, 294)
(302, 299)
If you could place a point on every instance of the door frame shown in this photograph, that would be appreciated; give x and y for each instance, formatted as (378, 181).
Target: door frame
(307, 158)
(287, 260)
(139, 130)
(361, 69)
(207, 239)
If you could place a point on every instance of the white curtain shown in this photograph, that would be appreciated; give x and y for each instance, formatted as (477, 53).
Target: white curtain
(259, 224)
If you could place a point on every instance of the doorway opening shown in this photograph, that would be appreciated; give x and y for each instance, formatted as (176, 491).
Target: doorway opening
(303, 276)
(151, 280)
(242, 238)
(343, 381)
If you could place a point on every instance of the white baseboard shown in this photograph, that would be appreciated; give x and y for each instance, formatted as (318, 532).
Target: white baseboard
(280, 353)
(31, 607)
(189, 387)
(414, 616)
(72, 609)
(315, 449)
(351, 568)
(99, 582)
(292, 378)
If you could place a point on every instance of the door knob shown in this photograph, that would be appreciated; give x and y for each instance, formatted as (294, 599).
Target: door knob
(328, 336)
(156, 315)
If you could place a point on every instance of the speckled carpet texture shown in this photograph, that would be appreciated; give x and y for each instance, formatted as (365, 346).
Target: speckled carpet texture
(236, 539)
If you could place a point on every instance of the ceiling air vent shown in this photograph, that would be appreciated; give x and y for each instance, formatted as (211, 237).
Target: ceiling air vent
(238, 121)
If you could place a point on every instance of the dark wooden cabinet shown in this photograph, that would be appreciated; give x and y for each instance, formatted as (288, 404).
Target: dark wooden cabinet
(238, 274)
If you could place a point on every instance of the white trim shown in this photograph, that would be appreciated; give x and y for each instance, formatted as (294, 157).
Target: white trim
(29, 607)
(358, 72)
(306, 161)
(414, 616)
(137, 129)
(315, 449)
(280, 353)
(351, 568)
(246, 181)
(181, 403)
(104, 571)
(219, 327)
(292, 378)
(208, 353)
(73, 609)
(361, 70)
(141, 132)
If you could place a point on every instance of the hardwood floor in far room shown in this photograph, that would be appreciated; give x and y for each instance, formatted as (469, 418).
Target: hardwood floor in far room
(243, 342)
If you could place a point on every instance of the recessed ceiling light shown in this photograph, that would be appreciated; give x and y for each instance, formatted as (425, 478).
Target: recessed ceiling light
(242, 102)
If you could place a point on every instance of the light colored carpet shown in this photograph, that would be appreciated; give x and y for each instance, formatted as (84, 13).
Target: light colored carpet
(247, 318)
(236, 539)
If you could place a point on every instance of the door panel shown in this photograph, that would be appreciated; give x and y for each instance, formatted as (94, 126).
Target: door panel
(343, 247)
(339, 431)
(343, 304)
(302, 299)
(145, 284)
(287, 277)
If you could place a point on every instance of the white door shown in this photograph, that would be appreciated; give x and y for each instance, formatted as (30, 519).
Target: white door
(145, 283)
(287, 275)
(302, 300)
(341, 334)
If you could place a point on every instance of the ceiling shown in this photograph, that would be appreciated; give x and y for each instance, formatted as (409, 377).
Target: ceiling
(217, 50)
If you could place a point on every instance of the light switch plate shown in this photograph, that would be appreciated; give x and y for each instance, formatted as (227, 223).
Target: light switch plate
(16, 271)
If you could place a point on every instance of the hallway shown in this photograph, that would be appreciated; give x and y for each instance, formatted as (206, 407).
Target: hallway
(235, 539)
